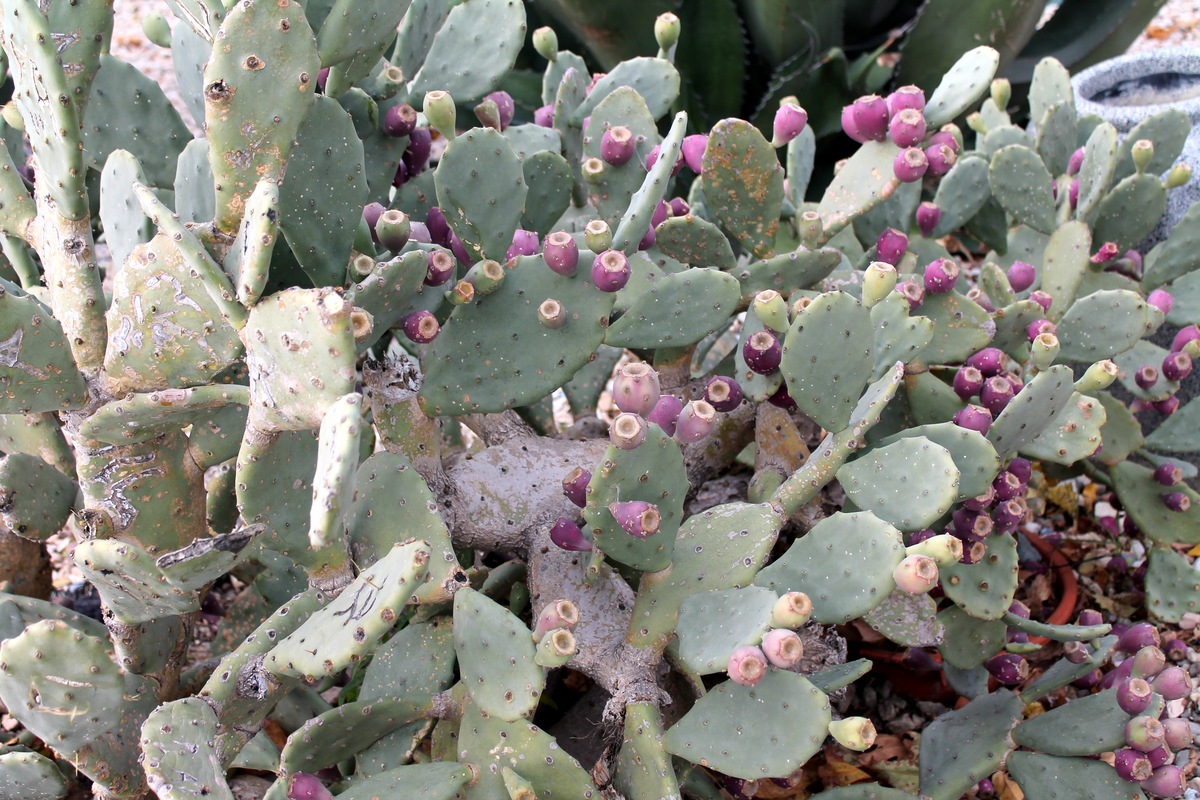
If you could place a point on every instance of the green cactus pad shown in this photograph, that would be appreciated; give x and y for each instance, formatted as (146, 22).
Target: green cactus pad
(644, 767)
(968, 642)
(528, 139)
(549, 182)
(863, 182)
(909, 620)
(36, 498)
(138, 417)
(495, 657)
(1086, 726)
(37, 372)
(1064, 265)
(973, 455)
(931, 399)
(158, 307)
(1002, 136)
(963, 747)
(1063, 672)
(827, 358)
(388, 292)
(1130, 211)
(1179, 255)
(337, 464)
(468, 73)
(1167, 129)
(1051, 84)
(1057, 134)
(721, 548)
(353, 27)
(416, 662)
(985, 589)
(1059, 633)
(678, 310)
(961, 86)
(995, 285)
(476, 168)
(351, 624)
(1032, 410)
(1097, 170)
(1121, 432)
(61, 684)
(259, 85)
(654, 472)
(179, 757)
(274, 487)
(962, 193)
(909, 483)
(1072, 778)
(787, 272)
(762, 731)
(28, 775)
(1143, 352)
(300, 356)
(1011, 324)
(1141, 497)
(129, 111)
(195, 200)
(205, 560)
(491, 743)
(132, 586)
(436, 781)
(18, 612)
(393, 502)
(831, 679)
(125, 225)
(18, 207)
(844, 564)
(1102, 324)
(341, 732)
(617, 184)
(960, 327)
(514, 358)
(584, 389)
(1022, 184)
(1073, 435)
(37, 435)
(898, 336)
(249, 259)
(1172, 587)
(635, 220)
(713, 624)
(655, 79)
(695, 241)
(743, 183)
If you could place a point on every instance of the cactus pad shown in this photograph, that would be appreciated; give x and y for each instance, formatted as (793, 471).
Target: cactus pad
(1086, 726)
(35, 498)
(713, 624)
(678, 310)
(1141, 497)
(476, 168)
(963, 747)
(180, 760)
(495, 657)
(909, 483)
(909, 620)
(986, 588)
(36, 369)
(743, 184)
(1073, 778)
(1032, 410)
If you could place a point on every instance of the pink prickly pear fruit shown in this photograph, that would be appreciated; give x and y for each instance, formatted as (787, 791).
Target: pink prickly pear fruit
(723, 393)
(628, 431)
(891, 246)
(747, 665)
(910, 165)
(695, 422)
(399, 120)
(1075, 162)
(636, 517)
(666, 413)
(504, 105)
(575, 485)
(782, 647)
(762, 352)
(1173, 683)
(524, 243)
(617, 146)
(1021, 275)
(1176, 366)
(1135, 637)
(569, 536)
(1178, 733)
(967, 382)
(561, 253)
(1144, 733)
(1161, 299)
(1009, 669)
(916, 574)
(1133, 695)
(1132, 765)
(559, 614)
(693, 148)
(1166, 781)
(1148, 662)
(928, 217)
(1168, 474)
(906, 97)
(989, 361)
(421, 327)
(636, 388)
(866, 119)
(941, 275)
(306, 786)
(610, 271)
(789, 122)
(975, 418)
(543, 117)
(907, 127)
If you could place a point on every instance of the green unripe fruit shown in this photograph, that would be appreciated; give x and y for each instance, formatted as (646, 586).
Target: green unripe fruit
(1142, 152)
(12, 117)
(1098, 376)
(666, 30)
(945, 549)
(853, 733)
(440, 111)
(1044, 350)
(597, 236)
(771, 310)
(157, 29)
(1179, 175)
(1001, 93)
(879, 280)
(393, 229)
(486, 277)
(545, 41)
(810, 229)
(556, 648)
(792, 610)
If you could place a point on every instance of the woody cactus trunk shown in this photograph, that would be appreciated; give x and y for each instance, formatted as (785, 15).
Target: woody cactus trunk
(327, 355)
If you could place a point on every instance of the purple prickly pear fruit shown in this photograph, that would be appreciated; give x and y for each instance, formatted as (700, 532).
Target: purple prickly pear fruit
(666, 413)
(940, 276)
(940, 159)
(505, 106)
(662, 212)
(985, 789)
(560, 253)
(1019, 609)
(1131, 765)
(967, 382)
(1176, 366)
(306, 786)
(1161, 299)
(1043, 299)
(974, 418)
(439, 229)
(946, 136)
(782, 647)
(989, 361)
(1137, 636)
(1173, 683)
(1167, 406)
(648, 240)
(575, 486)
(1008, 486)
(1089, 681)
(1008, 515)
(421, 327)
(916, 574)
(891, 246)
(459, 250)
(996, 394)
(1107, 252)
(652, 158)
(693, 148)
(974, 553)
(419, 233)
(792, 610)
(1075, 162)
(544, 116)
(762, 352)
(1185, 336)
(1176, 650)
(1021, 276)
(1133, 695)
(973, 524)
(399, 120)
(910, 165)
(1178, 733)
(322, 77)
(853, 733)
(1008, 669)
(610, 271)
(1146, 376)
(524, 243)
(907, 127)
(1168, 474)
(400, 177)
(636, 388)
(1023, 469)
(1166, 781)
(679, 207)
(928, 217)
(906, 97)
(866, 119)
(747, 665)
(913, 292)
(696, 421)
(370, 215)
(627, 432)
(1159, 756)
(416, 155)
(567, 535)
(559, 614)
(1144, 733)
(981, 502)
(790, 120)
(1038, 327)
(1073, 193)
(617, 146)
(783, 398)
(1076, 652)
(722, 393)
(738, 788)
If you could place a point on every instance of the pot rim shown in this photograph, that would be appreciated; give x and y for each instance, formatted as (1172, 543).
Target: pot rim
(1103, 75)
